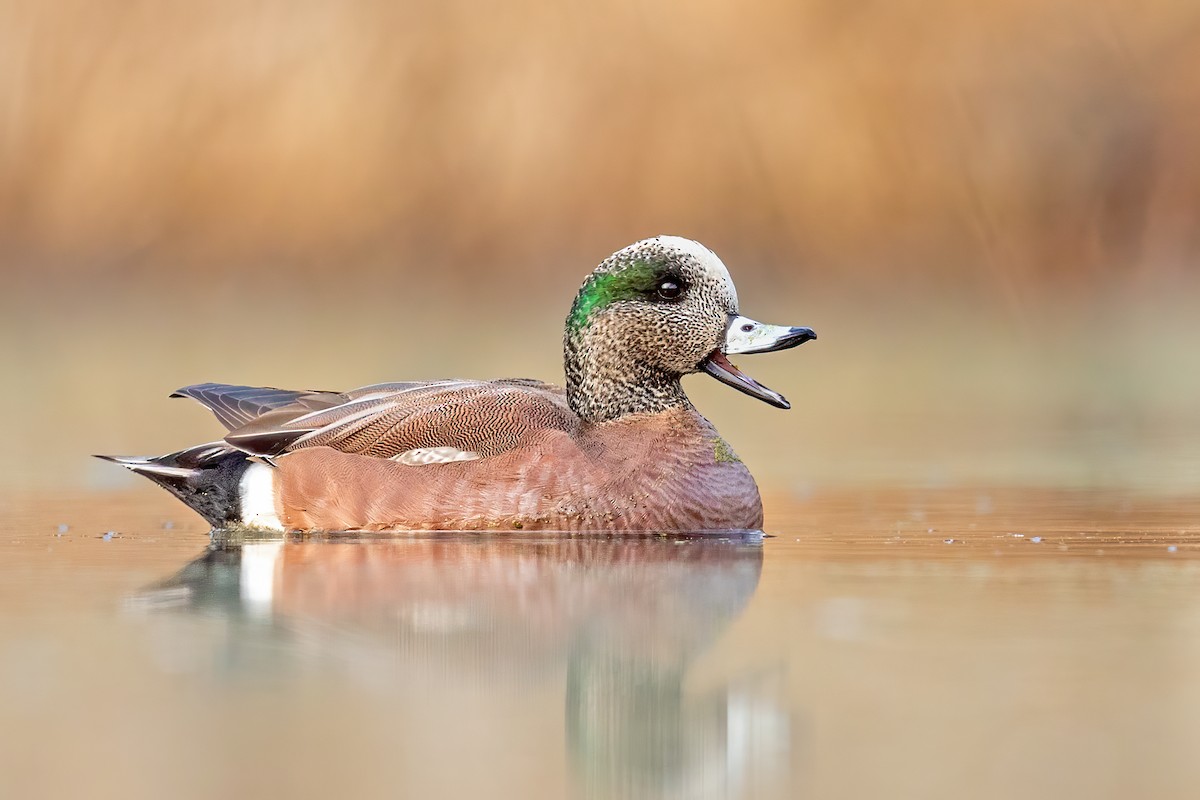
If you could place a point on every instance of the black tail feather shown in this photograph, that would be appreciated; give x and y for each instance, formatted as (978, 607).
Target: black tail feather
(206, 477)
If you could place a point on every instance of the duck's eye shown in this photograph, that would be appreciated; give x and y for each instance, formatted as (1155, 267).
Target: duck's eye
(670, 289)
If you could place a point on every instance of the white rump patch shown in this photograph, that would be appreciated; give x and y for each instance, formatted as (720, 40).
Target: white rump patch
(433, 455)
(258, 497)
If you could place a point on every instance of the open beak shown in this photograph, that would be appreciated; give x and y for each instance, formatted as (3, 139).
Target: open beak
(743, 337)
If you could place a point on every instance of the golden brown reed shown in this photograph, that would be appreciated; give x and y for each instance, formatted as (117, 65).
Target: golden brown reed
(1025, 139)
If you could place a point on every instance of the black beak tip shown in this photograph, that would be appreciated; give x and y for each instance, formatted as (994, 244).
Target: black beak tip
(803, 334)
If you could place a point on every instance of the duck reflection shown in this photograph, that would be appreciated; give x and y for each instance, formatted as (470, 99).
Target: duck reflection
(624, 617)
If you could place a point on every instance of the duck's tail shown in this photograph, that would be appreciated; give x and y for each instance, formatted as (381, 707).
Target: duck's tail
(219, 482)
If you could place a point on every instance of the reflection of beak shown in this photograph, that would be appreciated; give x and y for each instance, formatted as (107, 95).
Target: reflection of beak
(745, 336)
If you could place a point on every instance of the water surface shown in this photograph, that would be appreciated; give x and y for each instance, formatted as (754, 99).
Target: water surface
(903, 643)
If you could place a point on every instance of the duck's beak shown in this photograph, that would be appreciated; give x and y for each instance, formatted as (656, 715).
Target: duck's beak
(743, 337)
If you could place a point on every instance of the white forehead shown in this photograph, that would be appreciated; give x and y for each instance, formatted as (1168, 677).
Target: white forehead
(708, 261)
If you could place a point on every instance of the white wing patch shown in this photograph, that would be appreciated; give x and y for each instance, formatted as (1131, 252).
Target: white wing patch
(433, 455)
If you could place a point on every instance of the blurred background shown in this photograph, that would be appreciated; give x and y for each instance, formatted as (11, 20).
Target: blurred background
(988, 211)
(982, 575)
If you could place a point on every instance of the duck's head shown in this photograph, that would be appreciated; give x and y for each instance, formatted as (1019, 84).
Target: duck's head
(651, 313)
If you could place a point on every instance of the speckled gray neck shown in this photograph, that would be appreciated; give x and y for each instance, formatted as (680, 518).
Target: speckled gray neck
(600, 388)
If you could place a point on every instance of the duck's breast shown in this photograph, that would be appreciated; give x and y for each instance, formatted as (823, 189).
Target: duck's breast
(657, 472)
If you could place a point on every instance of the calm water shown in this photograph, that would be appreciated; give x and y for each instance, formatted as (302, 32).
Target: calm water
(920, 644)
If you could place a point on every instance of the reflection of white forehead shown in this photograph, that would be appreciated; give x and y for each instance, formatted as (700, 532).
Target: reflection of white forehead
(708, 260)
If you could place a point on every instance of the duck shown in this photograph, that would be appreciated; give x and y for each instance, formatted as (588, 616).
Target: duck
(619, 448)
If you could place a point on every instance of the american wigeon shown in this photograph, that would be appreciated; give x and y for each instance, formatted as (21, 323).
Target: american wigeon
(622, 448)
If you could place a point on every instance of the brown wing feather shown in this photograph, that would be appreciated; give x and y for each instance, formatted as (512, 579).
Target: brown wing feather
(275, 432)
(484, 417)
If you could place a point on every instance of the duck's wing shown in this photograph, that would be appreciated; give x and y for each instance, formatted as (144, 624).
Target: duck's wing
(414, 423)
(236, 406)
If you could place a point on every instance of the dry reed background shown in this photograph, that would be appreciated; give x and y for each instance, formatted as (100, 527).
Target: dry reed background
(988, 210)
